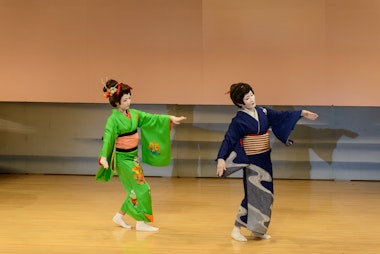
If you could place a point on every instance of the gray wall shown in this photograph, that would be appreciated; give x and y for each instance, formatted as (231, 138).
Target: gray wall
(65, 138)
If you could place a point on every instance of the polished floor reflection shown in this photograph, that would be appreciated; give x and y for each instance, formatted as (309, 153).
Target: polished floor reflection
(72, 214)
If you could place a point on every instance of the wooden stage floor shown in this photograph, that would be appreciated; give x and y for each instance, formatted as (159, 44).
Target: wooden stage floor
(72, 214)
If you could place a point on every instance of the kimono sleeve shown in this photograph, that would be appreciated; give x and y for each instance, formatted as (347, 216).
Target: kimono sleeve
(283, 122)
(155, 138)
(231, 143)
(107, 151)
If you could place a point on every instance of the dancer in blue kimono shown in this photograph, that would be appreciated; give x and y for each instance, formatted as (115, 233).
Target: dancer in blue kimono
(246, 146)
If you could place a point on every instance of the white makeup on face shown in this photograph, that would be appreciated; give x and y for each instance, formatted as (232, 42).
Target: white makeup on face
(125, 102)
(249, 101)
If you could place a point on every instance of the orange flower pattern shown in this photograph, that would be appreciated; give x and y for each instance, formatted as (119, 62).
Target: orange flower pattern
(138, 173)
(154, 147)
(133, 198)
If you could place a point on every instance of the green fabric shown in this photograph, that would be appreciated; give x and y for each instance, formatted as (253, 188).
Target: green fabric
(138, 203)
(104, 175)
(155, 143)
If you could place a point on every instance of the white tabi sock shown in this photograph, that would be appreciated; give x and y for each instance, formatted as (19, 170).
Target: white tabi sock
(236, 234)
(118, 219)
(142, 226)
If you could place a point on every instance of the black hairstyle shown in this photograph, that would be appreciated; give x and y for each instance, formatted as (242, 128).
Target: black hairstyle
(238, 91)
(121, 89)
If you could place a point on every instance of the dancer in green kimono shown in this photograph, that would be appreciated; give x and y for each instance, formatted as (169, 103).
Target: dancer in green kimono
(119, 152)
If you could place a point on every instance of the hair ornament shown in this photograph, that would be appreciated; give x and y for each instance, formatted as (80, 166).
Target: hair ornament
(104, 82)
(106, 94)
(112, 90)
(227, 92)
(118, 88)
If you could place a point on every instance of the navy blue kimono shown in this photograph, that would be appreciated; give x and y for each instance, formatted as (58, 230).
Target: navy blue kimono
(255, 209)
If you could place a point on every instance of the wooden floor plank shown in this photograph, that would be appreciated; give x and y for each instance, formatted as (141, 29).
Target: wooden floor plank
(72, 214)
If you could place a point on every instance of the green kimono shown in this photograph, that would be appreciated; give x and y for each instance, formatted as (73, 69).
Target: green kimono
(155, 143)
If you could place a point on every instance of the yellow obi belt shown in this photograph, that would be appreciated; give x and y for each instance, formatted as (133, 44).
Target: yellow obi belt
(256, 144)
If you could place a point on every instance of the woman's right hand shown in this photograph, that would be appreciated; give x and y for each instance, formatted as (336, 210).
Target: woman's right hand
(104, 162)
(221, 167)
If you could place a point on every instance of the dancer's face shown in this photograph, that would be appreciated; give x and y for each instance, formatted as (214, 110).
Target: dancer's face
(249, 101)
(125, 102)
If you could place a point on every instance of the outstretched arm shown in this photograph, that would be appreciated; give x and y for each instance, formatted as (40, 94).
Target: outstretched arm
(177, 119)
(309, 115)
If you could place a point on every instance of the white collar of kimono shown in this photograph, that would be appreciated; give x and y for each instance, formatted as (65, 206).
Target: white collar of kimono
(252, 113)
